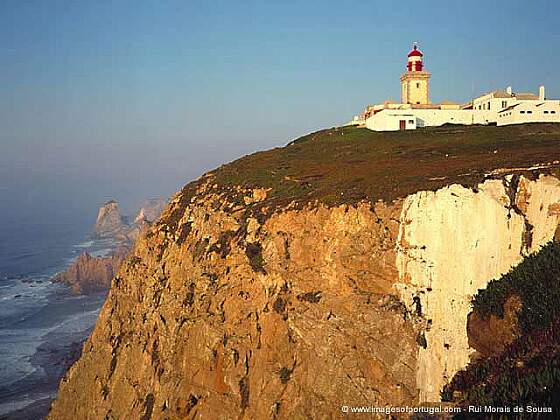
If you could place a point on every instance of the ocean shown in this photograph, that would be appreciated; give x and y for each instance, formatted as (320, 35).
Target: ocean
(42, 325)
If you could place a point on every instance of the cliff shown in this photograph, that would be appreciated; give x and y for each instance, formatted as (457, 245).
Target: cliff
(338, 270)
(111, 224)
(451, 243)
(89, 274)
(523, 368)
(150, 210)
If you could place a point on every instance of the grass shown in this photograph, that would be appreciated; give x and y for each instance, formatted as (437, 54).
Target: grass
(348, 164)
(536, 281)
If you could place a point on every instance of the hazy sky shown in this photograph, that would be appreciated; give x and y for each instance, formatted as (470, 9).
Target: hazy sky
(130, 99)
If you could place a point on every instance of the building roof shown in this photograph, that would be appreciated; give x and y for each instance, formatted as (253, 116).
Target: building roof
(500, 94)
(415, 52)
(425, 106)
(525, 96)
(504, 94)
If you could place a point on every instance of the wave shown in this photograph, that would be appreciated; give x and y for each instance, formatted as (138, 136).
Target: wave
(87, 244)
(23, 256)
(39, 322)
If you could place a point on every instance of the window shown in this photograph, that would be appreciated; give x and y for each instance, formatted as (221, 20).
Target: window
(553, 112)
(418, 103)
(411, 121)
(523, 112)
(504, 104)
(546, 112)
(529, 112)
(489, 105)
(418, 85)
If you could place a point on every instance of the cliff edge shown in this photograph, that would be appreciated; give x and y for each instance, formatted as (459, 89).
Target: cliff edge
(338, 270)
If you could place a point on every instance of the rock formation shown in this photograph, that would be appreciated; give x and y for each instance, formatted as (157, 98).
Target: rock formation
(257, 301)
(90, 274)
(148, 213)
(443, 238)
(150, 210)
(110, 223)
(489, 336)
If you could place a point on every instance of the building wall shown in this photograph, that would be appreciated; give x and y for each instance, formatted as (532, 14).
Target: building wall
(531, 111)
(388, 120)
(491, 106)
(437, 117)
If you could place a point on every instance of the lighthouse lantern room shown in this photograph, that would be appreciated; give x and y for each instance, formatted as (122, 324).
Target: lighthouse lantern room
(415, 82)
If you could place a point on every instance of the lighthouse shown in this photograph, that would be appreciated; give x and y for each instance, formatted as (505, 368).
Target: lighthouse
(415, 81)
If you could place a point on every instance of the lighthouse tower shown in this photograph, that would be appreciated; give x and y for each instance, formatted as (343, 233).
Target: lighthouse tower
(415, 82)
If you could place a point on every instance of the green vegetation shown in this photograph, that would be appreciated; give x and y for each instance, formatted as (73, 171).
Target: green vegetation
(527, 372)
(536, 281)
(347, 164)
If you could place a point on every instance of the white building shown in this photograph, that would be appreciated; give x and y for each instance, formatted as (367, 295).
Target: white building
(529, 111)
(410, 119)
(416, 110)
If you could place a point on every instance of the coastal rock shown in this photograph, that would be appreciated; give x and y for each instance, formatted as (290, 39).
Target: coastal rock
(443, 238)
(110, 223)
(148, 213)
(280, 321)
(150, 210)
(283, 314)
(489, 336)
(89, 274)
(321, 286)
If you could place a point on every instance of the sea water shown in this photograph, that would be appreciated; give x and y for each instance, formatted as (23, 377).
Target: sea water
(42, 324)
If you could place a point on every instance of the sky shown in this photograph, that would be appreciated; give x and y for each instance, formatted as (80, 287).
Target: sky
(133, 99)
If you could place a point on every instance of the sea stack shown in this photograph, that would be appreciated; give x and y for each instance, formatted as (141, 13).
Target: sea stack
(110, 222)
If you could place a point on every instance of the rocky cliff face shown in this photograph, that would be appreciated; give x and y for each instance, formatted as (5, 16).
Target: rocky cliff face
(110, 222)
(451, 243)
(298, 314)
(238, 304)
(90, 274)
(277, 317)
(150, 210)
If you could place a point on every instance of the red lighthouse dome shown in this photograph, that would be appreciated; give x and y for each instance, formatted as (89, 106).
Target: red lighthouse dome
(415, 52)
(415, 59)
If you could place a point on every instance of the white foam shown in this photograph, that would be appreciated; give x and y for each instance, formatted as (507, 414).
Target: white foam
(87, 244)
(23, 401)
(101, 252)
